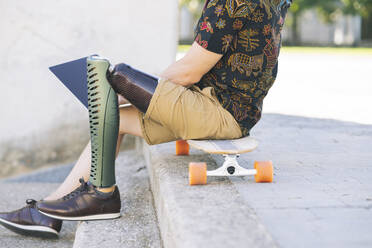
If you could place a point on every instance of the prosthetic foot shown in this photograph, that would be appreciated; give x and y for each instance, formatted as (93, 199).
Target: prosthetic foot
(104, 122)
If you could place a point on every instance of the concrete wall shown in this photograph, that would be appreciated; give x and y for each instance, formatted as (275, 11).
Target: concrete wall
(41, 122)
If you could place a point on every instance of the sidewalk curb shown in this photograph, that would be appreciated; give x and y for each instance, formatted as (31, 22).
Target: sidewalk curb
(199, 216)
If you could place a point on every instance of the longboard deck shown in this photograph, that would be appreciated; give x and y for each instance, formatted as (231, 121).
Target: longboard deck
(235, 146)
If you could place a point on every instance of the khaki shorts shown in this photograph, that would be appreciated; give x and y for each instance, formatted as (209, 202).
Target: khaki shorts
(176, 112)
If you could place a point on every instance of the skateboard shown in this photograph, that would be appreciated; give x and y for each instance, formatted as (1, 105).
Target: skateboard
(230, 149)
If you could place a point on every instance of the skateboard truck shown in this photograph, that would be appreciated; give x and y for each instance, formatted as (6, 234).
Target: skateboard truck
(198, 173)
(231, 167)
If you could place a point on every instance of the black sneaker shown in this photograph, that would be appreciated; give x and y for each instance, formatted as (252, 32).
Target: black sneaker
(28, 221)
(84, 203)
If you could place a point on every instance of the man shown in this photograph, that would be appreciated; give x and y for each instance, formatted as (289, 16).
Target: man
(221, 81)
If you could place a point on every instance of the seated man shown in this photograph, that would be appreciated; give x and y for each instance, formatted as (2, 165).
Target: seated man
(215, 91)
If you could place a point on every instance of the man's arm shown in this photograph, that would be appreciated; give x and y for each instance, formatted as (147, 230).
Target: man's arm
(191, 68)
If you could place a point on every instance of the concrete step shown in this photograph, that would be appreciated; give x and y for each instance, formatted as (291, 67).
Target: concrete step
(199, 216)
(137, 226)
(35, 185)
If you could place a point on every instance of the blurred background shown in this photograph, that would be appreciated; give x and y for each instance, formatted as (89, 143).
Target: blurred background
(323, 67)
(310, 22)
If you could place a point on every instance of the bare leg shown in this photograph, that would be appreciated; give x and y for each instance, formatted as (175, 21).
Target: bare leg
(81, 169)
(129, 123)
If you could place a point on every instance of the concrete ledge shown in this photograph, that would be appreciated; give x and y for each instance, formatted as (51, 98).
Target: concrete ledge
(200, 216)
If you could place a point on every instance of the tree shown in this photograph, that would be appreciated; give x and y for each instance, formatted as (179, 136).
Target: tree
(194, 6)
(364, 9)
(360, 7)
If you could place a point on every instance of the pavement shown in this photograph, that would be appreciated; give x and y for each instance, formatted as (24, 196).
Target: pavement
(35, 185)
(322, 190)
(137, 227)
(321, 195)
(323, 85)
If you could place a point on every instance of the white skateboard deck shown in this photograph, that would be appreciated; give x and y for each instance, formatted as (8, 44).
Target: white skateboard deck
(235, 146)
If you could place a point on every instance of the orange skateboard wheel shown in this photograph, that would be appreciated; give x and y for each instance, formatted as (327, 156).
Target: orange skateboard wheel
(197, 173)
(265, 171)
(182, 147)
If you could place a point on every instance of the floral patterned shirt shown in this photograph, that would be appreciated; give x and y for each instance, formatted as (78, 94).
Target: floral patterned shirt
(248, 34)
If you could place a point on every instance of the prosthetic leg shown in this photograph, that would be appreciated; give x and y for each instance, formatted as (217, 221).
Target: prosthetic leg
(135, 86)
(104, 122)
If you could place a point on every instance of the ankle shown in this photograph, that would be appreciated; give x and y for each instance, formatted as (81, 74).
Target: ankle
(106, 189)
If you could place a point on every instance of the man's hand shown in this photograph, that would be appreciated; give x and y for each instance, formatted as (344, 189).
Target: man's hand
(191, 68)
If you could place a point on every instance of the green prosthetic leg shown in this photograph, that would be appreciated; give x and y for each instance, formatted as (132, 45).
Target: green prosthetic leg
(104, 122)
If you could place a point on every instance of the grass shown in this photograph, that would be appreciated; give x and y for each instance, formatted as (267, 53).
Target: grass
(329, 50)
(332, 50)
(183, 48)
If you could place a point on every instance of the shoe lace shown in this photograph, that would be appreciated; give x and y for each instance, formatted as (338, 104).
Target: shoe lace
(82, 188)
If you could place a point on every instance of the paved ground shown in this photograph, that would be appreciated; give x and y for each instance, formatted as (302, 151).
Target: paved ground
(137, 227)
(37, 185)
(335, 86)
(322, 190)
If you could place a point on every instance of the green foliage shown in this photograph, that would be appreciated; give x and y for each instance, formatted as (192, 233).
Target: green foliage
(194, 6)
(359, 7)
(325, 7)
(328, 8)
(188, 2)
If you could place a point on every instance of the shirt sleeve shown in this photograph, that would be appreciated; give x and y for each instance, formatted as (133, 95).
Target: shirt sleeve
(219, 24)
